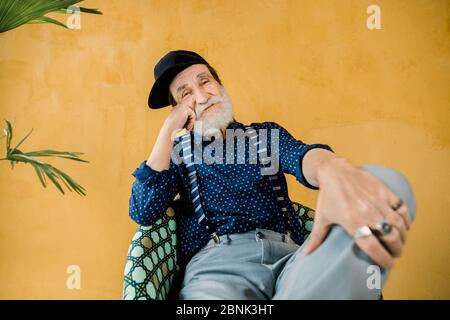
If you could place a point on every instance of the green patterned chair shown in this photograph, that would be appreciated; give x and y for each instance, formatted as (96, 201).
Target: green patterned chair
(151, 269)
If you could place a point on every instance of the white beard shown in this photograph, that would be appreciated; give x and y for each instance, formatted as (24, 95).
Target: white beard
(214, 124)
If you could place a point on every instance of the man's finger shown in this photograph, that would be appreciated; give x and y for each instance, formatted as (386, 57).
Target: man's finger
(191, 120)
(317, 236)
(404, 213)
(397, 222)
(392, 242)
(375, 250)
(394, 200)
(393, 217)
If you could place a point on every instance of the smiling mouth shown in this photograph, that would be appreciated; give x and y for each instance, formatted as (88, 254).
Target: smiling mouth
(214, 104)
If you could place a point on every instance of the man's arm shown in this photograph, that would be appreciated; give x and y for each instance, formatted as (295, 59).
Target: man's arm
(348, 196)
(312, 160)
(159, 158)
(180, 117)
(152, 193)
(291, 153)
(354, 198)
(157, 179)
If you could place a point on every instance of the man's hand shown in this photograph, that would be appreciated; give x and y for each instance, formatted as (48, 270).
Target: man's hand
(353, 198)
(181, 116)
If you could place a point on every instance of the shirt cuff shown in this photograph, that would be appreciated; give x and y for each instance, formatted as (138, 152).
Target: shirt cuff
(144, 172)
(310, 147)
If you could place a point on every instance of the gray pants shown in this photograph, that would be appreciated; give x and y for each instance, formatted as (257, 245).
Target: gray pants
(263, 264)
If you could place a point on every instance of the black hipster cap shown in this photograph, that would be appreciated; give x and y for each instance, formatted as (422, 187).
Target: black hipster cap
(166, 70)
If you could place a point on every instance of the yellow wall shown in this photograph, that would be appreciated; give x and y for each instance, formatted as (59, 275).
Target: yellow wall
(379, 96)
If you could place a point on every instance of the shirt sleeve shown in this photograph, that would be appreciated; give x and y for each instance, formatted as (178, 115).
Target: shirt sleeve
(152, 192)
(292, 152)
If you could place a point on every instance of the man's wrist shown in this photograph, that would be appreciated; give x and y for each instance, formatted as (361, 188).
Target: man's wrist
(159, 158)
(313, 162)
(166, 133)
(327, 165)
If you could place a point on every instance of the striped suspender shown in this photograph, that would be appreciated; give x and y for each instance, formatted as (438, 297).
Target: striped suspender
(195, 192)
(193, 183)
(274, 180)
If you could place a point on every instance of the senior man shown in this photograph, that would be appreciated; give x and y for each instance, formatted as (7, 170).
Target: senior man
(238, 233)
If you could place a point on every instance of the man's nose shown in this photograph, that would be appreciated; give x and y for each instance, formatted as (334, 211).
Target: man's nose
(201, 97)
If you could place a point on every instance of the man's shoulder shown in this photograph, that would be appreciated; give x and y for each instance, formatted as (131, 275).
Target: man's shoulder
(265, 125)
(237, 125)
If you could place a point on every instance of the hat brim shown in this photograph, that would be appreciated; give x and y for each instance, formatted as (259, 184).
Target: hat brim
(159, 94)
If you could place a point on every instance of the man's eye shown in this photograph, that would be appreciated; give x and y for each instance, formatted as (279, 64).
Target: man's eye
(185, 94)
(205, 81)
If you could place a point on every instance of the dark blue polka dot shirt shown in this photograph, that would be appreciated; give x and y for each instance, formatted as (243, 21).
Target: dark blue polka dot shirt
(236, 196)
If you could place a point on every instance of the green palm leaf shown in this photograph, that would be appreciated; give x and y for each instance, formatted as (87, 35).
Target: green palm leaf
(39, 174)
(14, 13)
(60, 154)
(23, 138)
(42, 168)
(48, 20)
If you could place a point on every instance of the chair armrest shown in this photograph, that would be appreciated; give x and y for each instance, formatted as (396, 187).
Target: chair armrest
(305, 216)
(151, 262)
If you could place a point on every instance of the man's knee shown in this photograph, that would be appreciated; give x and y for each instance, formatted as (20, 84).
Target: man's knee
(396, 182)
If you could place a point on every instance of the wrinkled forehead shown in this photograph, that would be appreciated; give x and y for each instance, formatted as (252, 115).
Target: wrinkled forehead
(187, 75)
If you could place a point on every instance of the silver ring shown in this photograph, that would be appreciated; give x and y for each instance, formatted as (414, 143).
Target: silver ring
(383, 228)
(398, 205)
(362, 232)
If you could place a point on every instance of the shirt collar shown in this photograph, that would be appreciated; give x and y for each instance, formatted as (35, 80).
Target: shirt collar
(235, 125)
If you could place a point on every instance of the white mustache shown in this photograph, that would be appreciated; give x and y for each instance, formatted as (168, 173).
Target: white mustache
(199, 110)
